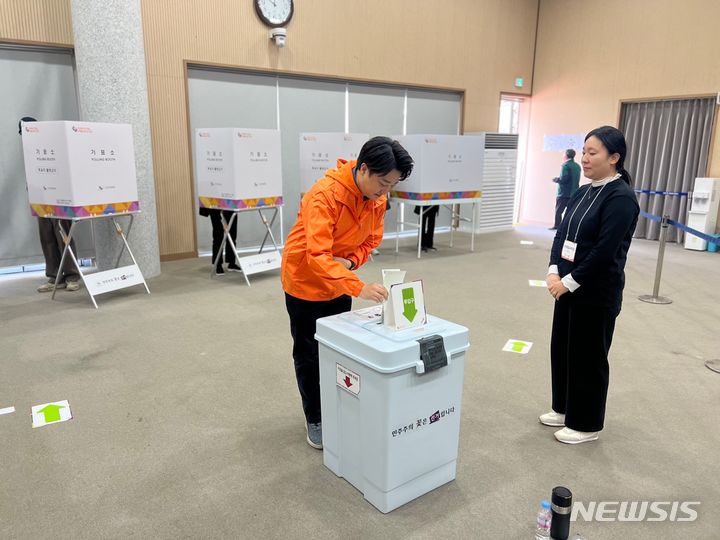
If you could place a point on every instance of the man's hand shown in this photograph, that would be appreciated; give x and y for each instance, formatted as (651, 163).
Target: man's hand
(345, 262)
(374, 292)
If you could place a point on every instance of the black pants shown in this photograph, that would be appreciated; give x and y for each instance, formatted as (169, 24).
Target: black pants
(581, 338)
(303, 316)
(427, 231)
(218, 231)
(560, 206)
(52, 248)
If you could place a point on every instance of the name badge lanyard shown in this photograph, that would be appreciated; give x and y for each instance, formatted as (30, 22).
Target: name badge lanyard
(577, 230)
(570, 247)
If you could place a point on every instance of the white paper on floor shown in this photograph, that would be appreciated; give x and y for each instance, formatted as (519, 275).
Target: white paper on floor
(518, 346)
(51, 413)
(527, 242)
(537, 283)
(7, 410)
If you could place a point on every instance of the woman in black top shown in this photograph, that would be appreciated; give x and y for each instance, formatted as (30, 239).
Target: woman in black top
(586, 277)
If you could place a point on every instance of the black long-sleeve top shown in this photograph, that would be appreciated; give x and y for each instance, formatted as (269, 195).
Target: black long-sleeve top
(603, 240)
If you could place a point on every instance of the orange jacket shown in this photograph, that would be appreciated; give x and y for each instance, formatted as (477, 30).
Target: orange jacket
(334, 221)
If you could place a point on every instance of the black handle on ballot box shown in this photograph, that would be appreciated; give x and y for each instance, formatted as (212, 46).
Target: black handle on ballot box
(432, 352)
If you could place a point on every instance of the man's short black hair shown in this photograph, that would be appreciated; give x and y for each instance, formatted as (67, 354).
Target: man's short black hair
(570, 153)
(382, 155)
(25, 119)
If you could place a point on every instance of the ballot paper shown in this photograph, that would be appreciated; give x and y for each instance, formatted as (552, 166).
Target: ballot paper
(391, 276)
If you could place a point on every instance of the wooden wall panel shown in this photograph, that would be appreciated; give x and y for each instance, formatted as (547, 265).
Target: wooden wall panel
(480, 46)
(605, 53)
(46, 22)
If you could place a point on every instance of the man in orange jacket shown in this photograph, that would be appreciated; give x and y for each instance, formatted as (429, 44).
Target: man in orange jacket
(339, 223)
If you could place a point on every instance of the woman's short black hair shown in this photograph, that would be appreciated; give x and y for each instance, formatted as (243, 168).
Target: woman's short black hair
(614, 142)
(382, 155)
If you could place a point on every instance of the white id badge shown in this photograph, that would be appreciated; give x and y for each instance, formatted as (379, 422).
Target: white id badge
(568, 251)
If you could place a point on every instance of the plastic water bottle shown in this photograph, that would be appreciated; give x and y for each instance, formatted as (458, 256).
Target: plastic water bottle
(544, 518)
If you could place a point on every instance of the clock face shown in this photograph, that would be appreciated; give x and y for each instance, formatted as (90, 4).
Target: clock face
(274, 12)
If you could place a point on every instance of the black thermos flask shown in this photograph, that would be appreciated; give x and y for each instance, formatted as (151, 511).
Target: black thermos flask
(561, 506)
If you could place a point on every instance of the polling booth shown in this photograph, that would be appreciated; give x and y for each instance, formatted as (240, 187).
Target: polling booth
(448, 171)
(239, 170)
(391, 380)
(84, 171)
(321, 151)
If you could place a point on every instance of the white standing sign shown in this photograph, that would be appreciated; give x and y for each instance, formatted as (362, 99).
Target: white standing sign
(79, 168)
(114, 279)
(262, 262)
(320, 152)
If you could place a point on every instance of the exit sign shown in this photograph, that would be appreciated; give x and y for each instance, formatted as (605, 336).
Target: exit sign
(519, 82)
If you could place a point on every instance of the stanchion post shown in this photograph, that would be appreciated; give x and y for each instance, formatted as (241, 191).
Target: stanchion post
(654, 298)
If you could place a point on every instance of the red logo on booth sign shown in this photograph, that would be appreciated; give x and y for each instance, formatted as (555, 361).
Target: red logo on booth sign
(80, 129)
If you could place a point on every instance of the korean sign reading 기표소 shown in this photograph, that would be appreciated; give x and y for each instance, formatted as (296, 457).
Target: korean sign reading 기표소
(79, 168)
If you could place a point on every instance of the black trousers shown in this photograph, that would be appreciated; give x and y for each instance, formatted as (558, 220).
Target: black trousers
(217, 232)
(427, 231)
(52, 247)
(581, 339)
(303, 317)
(560, 206)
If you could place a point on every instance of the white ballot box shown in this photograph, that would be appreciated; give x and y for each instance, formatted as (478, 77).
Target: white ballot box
(390, 404)
(79, 169)
(321, 151)
(238, 168)
(446, 167)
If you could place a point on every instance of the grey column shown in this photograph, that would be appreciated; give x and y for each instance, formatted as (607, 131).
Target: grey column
(112, 87)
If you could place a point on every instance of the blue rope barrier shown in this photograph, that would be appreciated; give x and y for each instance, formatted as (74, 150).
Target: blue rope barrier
(709, 239)
(651, 217)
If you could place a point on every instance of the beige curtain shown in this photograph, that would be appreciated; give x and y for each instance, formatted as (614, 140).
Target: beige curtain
(668, 147)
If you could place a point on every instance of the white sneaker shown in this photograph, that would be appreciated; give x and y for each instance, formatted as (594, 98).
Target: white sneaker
(72, 286)
(570, 436)
(50, 285)
(552, 419)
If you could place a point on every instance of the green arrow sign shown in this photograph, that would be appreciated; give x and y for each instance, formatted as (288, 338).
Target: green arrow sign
(518, 346)
(51, 412)
(409, 309)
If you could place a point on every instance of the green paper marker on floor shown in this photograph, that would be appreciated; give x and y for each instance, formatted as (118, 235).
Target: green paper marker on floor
(517, 346)
(51, 413)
